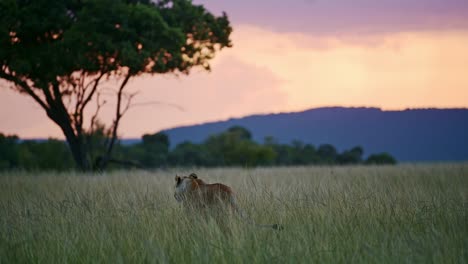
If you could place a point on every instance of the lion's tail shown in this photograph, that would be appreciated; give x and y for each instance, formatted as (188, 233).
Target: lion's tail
(248, 219)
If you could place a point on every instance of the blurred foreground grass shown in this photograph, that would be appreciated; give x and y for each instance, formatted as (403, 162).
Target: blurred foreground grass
(395, 214)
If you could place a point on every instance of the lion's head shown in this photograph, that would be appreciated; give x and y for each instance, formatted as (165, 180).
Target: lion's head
(186, 184)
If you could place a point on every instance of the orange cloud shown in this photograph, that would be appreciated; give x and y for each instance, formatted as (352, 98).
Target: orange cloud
(270, 71)
(393, 71)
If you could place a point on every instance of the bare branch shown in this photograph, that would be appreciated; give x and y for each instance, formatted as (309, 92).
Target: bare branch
(78, 117)
(118, 113)
(99, 105)
(82, 99)
(93, 91)
(118, 116)
(129, 98)
(23, 85)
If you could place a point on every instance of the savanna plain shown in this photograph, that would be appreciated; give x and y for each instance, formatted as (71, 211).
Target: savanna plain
(409, 213)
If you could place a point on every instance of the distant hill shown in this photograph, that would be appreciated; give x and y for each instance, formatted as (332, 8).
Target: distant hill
(409, 135)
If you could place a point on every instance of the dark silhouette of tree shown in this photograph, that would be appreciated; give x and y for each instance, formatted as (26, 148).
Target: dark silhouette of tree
(381, 159)
(310, 155)
(60, 53)
(327, 153)
(190, 154)
(240, 132)
(8, 152)
(296, 153)
(283, 152)
(352, 156)
(156, 150)
(46, 155)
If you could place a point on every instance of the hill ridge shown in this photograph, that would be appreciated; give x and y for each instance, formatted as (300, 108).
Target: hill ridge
(406, 134)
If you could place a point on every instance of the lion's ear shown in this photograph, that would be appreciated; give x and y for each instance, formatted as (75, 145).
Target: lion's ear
(177, 178)
(193, 175)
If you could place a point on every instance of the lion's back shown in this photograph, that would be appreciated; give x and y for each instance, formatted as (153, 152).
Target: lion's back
(216, 192)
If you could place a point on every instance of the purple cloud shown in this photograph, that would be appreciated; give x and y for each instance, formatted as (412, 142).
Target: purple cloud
(338, 16)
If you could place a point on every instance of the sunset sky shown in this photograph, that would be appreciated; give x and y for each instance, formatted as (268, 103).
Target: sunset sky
(299, 54)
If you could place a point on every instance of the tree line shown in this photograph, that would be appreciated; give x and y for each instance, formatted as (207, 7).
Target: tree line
(233, 147)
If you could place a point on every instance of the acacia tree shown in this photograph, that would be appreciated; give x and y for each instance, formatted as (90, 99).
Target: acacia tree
(61, 52)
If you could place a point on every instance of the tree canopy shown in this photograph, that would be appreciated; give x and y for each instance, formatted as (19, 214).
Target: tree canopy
(60, 52)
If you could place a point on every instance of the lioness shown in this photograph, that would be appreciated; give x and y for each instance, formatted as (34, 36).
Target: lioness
(196, 195)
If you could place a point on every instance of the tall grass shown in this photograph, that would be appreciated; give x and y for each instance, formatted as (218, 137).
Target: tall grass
(396, 214)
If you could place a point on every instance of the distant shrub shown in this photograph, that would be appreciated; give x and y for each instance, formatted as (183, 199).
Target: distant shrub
(381, 159)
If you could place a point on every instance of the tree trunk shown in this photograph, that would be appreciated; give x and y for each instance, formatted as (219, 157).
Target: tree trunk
(79, 153)
(75, 142)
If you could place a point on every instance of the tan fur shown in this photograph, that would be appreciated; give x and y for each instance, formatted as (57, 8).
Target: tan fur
(197, 195)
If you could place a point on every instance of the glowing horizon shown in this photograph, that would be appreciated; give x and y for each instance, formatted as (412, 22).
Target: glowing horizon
(272, 71)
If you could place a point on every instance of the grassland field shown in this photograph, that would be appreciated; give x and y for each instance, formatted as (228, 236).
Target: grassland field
(409, 213)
